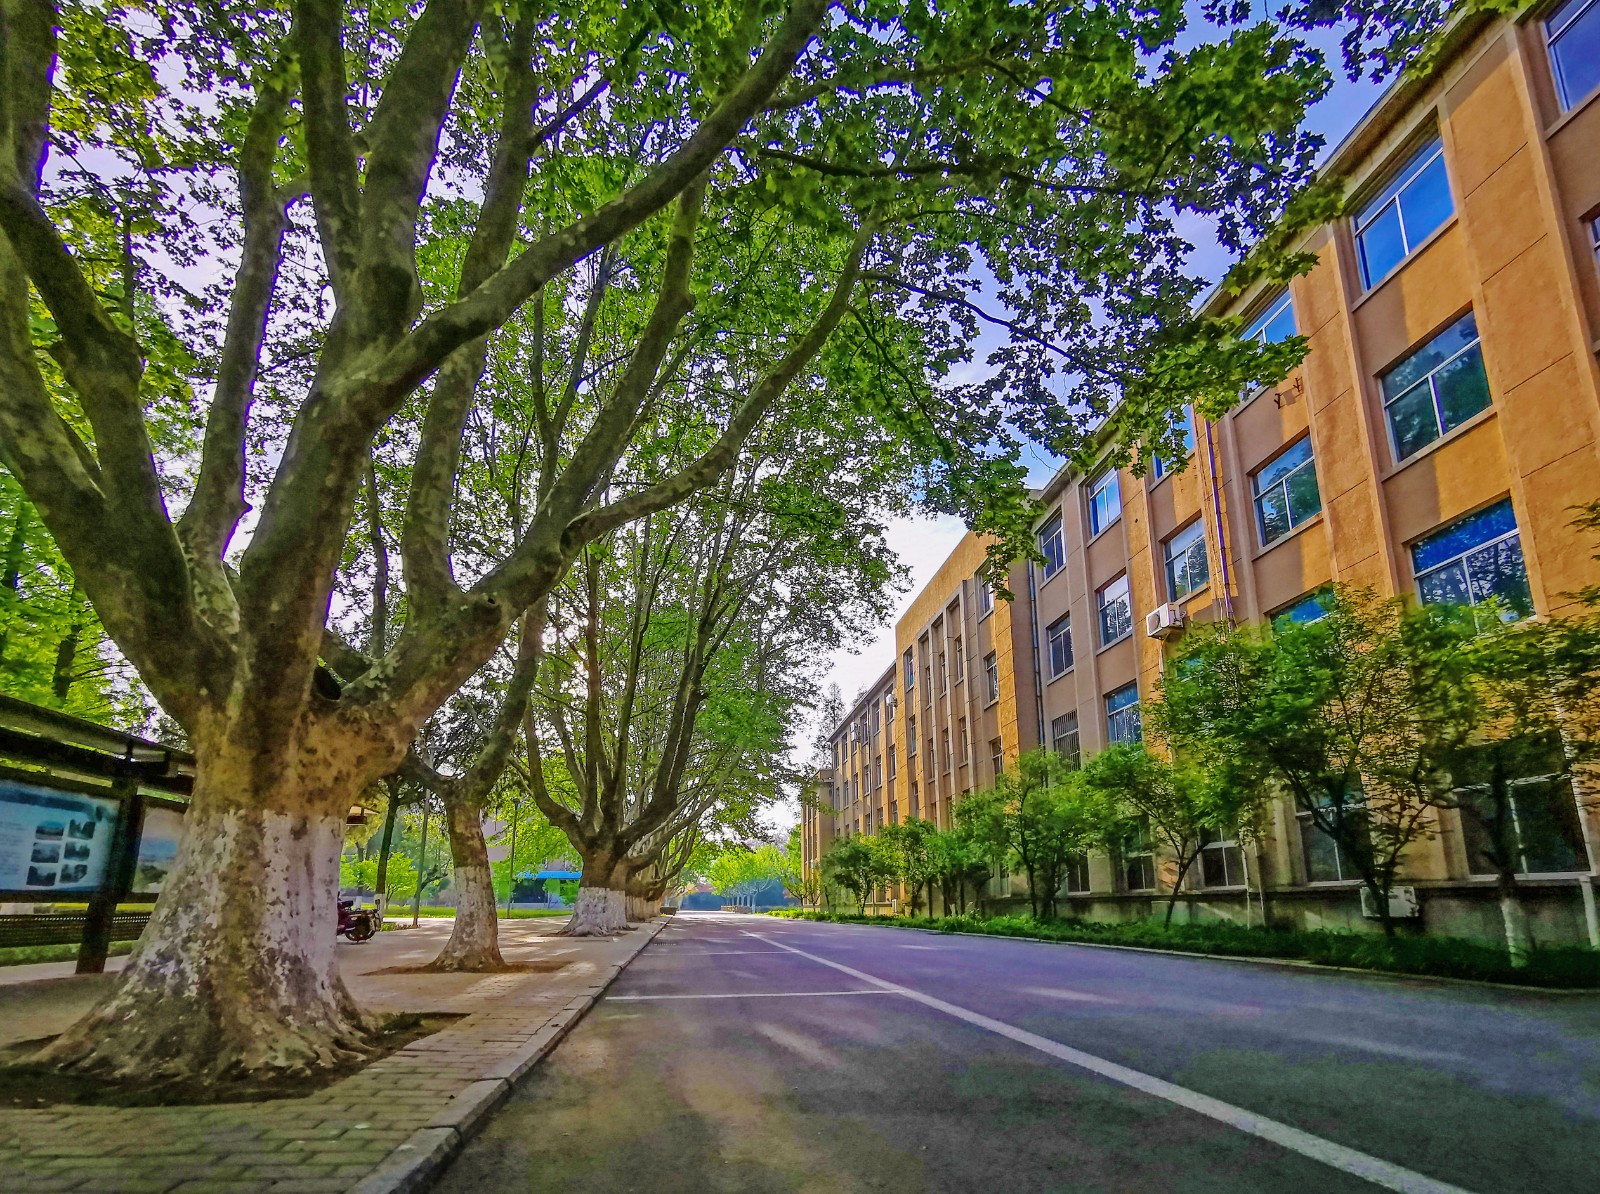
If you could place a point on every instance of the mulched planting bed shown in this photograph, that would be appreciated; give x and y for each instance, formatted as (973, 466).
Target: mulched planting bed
(24, 1086)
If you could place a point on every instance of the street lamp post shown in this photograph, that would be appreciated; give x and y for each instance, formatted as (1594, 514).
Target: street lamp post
(511, 887)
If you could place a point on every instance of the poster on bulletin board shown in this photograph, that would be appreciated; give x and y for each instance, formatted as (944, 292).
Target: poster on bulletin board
(52, 840)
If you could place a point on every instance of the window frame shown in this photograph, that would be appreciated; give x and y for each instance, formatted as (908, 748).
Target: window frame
(1100, 609)
(985, 597)
(1136, 716)
(1061, 627)
(997, 756)
(1228, 849)
(1107, 480)
(1411, 169)
(991, 673)
(1282, 483)
(1433, 389)
(1308, 826)
(1075, 734)
(1171, 552)
(1590, 9)
(1451, 561)
(960, 667)
(1521, 813)
(1053, 532)
(1269, 313)
(1137, 847)
(1159, 470)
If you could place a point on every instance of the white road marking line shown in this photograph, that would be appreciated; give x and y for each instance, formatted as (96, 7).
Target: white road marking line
(1336, 1156)
(719, 953)
(744, 995)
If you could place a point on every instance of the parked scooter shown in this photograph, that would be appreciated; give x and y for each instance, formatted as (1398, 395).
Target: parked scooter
(357, 924)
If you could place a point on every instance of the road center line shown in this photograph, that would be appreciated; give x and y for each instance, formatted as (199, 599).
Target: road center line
(744, 995)
(1336, 1156)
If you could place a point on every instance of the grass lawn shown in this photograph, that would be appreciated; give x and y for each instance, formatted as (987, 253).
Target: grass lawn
(23, 955)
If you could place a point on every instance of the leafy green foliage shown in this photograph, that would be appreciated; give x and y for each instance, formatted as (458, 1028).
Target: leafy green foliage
(859, 865)
(1036, 819)
(1176, 802)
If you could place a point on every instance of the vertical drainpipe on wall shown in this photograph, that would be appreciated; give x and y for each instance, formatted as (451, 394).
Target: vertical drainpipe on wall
(1033, 637)
(1222, 532)
(1227, 604)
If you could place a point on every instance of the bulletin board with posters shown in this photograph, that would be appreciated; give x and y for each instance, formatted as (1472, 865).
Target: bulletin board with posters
(54, 842)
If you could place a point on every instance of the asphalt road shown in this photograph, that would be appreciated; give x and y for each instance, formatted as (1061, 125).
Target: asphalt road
(746, 1054)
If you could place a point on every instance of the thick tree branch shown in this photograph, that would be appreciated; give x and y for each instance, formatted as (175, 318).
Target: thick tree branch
(494, 302)
(426, 531)
(333, 169)
(718, 458)
(218, 499)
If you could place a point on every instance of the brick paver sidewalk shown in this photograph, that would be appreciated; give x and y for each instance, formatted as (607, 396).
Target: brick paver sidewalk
(384, 1129)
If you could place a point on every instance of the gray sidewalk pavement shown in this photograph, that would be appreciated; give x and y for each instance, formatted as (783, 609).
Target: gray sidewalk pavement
(384, 1129)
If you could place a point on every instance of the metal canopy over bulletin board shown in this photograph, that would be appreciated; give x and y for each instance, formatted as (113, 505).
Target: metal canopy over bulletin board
(86, 814)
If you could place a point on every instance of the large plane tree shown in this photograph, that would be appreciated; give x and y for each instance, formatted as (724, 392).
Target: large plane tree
(244, 248)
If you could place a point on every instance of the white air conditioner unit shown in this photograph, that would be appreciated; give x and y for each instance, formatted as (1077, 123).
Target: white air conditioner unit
(1403, 904)
(1164, 621)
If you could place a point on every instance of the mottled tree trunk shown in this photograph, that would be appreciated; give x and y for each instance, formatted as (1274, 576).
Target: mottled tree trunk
(236, 974)
(475, 941)
(602, 907)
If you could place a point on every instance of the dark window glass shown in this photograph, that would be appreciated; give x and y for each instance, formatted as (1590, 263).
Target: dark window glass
(1059, 634)
(1437, 388)
(1053, 547)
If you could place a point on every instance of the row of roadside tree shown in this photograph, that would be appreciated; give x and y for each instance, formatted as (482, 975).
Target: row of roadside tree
(1370, 720)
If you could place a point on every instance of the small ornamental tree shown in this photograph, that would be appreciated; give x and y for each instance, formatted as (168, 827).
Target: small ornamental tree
(1036, 819)
(908, 849)
(856, 864)
(1510, 707)
(1325, 712)
(1178, 802)
(961, 861)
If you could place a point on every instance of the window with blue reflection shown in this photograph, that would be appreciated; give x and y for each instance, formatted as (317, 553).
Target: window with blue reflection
(1276, 322)
(1105, 501)
(1402, 215)
(1123, 722)
(1311, 608)
(1473, 560)
(1573, 31)
(1437, 388)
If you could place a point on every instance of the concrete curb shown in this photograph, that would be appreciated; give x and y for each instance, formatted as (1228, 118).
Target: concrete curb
(1293, 963)
(413, 1164)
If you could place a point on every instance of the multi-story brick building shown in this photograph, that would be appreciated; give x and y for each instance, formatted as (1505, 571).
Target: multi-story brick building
(1433, 444)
